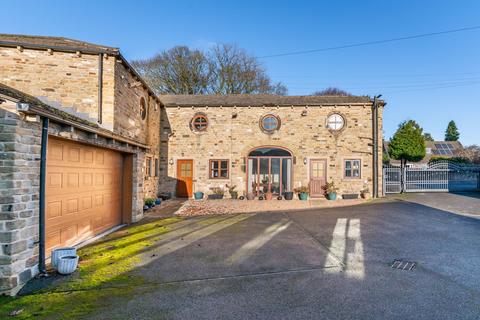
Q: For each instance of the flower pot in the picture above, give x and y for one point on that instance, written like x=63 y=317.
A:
x=332 y=196
x=145 y=208
x=365 y=195
x=268 y=196
x=67 y=264
x=234 y=195
x=288 y=195
x=61 y=252
x=250 y=196
x=158 y=201
x=303 y=196
x=215 y=196
x=198 y=195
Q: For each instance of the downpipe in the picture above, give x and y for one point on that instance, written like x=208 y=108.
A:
x=43 y=168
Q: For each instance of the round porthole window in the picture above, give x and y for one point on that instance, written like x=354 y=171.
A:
x=199 y=122
x=269 y=123
x=335 y=122
x=143 y=108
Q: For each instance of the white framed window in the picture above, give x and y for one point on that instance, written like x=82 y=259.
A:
x=335 y=122
x=352 y=169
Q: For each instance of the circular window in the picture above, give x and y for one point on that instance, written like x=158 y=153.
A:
x=270 y=123
x=335 y=122
x=199 y=122
x=143 y=108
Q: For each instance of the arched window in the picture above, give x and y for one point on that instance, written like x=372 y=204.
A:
x=143 y=108
x=269 y=152
x=199 y=122
x=269 y=123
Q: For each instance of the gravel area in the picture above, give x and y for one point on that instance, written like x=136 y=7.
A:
x=229 y=206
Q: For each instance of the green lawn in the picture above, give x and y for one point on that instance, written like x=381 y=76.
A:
x=103 y=274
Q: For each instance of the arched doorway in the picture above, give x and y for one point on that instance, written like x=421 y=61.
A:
x=269 y=169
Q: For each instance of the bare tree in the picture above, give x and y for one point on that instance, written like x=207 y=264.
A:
x=470 y=153
x=234 y=71
x=331 y=91
x=224 y=69
x=179 y=70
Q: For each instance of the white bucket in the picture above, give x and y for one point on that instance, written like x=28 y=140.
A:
x=67 y=264
x=61 y=252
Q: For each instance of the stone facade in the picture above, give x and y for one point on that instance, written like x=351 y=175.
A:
x=67 y=81
x=234 y=131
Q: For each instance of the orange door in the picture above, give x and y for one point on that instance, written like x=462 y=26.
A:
x=184 y=178
x=83 y=192
x=318 y=174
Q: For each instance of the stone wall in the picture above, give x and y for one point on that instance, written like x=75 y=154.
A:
x=66 y=81
x=233 y=132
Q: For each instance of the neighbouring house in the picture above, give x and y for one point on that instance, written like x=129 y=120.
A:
x=103 y=147
x=84 y=140
x=433 y=150
x=268 y=144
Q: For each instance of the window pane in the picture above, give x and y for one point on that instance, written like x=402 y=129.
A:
x=224 y=164
x=224 y=173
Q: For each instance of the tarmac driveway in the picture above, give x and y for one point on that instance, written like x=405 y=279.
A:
x=316 y=264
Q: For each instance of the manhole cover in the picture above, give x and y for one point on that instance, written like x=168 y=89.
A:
x=403 y=265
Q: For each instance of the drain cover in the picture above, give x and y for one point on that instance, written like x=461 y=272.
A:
x=403 y=265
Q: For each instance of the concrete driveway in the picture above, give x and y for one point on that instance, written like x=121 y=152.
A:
x=318 y=264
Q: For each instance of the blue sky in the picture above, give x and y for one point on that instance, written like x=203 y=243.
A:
x=432 y=80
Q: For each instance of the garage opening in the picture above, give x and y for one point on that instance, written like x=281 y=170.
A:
x=84 y=192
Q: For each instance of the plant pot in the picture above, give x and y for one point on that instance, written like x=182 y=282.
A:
x=198 y=195
x=158 y=201
x=365 y=195
x=288 y=195
x=349 y=196
x=67 y=264
x=145 y=208
x=303 y=196
x=215 y=196
x=332 y=196
x=61 y=252
x=250 y=196
x=268 y=196
x=234 y=195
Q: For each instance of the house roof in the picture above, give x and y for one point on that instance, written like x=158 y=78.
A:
x=256 y=100
x=446 y=149
x=35 y=106
x=58 y=43
x=67 y=45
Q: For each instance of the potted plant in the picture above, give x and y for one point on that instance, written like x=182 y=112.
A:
x=365 y=192
x=231 y=190
x=302 y=192
x=217 y=193
x=158 y=201
x=268 y=195
x=250 y=196
x=149 y=202
x=330 y=190
x=198 y=195
x=288 y=195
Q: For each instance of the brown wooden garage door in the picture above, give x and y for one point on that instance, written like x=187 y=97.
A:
x=83 y=192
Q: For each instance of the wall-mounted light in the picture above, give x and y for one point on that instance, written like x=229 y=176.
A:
x=305 y=160
x=170 y=161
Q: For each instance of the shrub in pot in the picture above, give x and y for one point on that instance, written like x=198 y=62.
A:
x=61 y=252
x=150 y=202
x=288 y=195
x=365 y=192
x=302 y=192
x=231 y=190
x=217 y=193
x=198 y=195
x=330 y=190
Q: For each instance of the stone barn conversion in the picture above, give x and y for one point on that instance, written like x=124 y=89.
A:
x=84 y=140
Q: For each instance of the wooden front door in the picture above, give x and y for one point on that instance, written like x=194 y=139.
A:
x=83 y=192
x=184 y=178
x=318 y=174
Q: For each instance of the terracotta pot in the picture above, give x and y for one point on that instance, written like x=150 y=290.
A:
x=268 y=196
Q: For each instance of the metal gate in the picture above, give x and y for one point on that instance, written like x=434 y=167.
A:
x=441 y=176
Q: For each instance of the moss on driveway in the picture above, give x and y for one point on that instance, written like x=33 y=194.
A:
x=103 y=274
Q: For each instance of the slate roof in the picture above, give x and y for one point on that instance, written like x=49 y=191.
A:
x=256 y=100
x=59 y=43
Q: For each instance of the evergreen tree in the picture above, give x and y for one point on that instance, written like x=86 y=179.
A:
x=427 y=137
x=452 y=134
x=407 y=144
